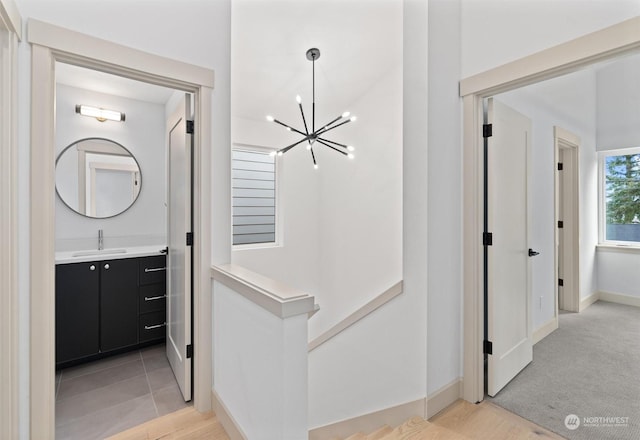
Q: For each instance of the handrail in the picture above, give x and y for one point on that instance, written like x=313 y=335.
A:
x=274 y=296
x=356 y=316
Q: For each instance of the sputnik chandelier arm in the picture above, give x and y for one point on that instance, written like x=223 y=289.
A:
x=313 y=137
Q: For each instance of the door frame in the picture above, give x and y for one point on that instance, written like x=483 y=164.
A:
x=49 y=44
x=11 y=28
x=565 y=58
x=569 y=143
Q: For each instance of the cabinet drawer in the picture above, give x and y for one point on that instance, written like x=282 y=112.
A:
x=153 y=270
x=152 y=326
x=153 y=298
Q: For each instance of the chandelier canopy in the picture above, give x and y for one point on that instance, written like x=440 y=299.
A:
x=315 y=136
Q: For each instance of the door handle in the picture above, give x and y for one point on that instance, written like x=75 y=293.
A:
x=533 y=253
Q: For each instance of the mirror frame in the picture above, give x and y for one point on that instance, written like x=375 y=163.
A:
x=98 y=139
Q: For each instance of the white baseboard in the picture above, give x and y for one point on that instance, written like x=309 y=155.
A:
x=444 y=397
x=545 y=330
x=226 y=419
x=586 y=302
x=620 y=298
x=393 y=416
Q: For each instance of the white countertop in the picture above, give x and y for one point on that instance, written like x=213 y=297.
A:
x=82 y=256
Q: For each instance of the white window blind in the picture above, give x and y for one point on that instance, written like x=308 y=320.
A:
x=253 y=197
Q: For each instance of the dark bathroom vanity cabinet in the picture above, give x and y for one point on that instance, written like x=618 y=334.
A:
x=108 y=306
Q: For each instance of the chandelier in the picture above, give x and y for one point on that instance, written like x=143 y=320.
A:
x=315 y=136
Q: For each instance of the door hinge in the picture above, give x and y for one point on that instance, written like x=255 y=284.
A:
x=560 y=166
x=189 y=351
x=560 y=282
x=487 y=347
x=189 y=238
x=560 y=224
x=190 y=127
x=487 y=130
x=487 y=239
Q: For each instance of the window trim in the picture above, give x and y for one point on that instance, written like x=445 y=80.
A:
x=279 y=202
x=602 y=206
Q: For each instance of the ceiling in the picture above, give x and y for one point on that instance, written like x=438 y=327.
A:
x=360 y=42
x=106 y=83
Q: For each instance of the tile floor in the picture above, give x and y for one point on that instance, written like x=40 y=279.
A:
x=101 y=398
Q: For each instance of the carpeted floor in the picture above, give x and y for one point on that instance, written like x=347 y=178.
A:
x=589 y=367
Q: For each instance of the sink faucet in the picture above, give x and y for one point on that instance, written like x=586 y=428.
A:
x=100 y=240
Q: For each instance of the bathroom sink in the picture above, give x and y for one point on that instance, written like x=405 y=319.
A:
x=100 y=252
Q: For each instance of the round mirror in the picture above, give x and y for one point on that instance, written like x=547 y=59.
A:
x=97 y=177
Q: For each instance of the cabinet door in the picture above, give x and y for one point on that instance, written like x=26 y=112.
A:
x=77 y=311
x=118 y=304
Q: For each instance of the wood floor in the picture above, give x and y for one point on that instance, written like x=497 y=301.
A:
x=186 y=424
x=460 y=421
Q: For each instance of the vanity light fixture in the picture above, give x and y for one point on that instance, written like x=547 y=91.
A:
x=100 y=114
x=314 y=135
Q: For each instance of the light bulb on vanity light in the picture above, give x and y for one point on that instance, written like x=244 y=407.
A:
x=100 y=114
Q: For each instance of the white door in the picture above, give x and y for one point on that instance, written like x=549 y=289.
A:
x=508 y=263
x=179 y=255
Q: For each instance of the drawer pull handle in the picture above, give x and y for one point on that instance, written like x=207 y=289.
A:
x=154 y=269
x=92 y=267
x=151 y=327
x=153 y=298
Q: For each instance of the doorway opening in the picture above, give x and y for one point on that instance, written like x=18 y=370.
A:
x=51 y=44
x=123 y=268
x=614 y=41
x=567 y=217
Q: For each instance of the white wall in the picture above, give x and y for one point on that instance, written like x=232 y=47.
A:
x=568 y=102
x=618 y=102
x=444 y=197
x=618 y=271
x=342 y=224
x=618 y=97
x=260 y=367
x=296 y=259
x=495 y=32
x=143 y=134
x=196 y=32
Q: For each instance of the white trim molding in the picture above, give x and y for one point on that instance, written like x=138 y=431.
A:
x=605 y=44
x=392 y=416
x=10 y=33
x=545 y=330
x=444 y=397
x=587 y=301
x=356 y=316
x=10 y=17
x=227 y=421
x=274 y=296
x=51 y=44
x=619 y=298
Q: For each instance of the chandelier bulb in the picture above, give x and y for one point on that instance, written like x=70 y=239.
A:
x=315 y=166
x=270 y=118
x=353 y=118
x=298 y=99
x=346 y=114
x=308 y=146
x=280 y=153
x=350 y=156
x=273 y=153
x=351 y=148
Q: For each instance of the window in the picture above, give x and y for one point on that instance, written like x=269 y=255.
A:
x=253 y=197
x=620 y=196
